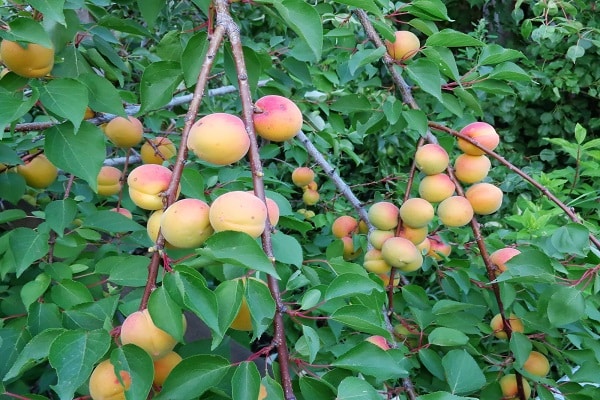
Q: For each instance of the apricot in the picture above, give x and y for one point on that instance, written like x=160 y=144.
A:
x=471 y=169
x=501 y=256
x=273 y=211
x=483 y=133
x=185 y=224
x=310 y=197
x=124 y=132
x=312 y=186
x=377 y=237
x=384 y=215
x=89 y=113
x=146 y=183
x=416 y=212
x=378 y=341
x=404 y=47
x=537 y=364
x=276 y=118
x=432 y=159
x=38 y=172
x=139 y=329
x=105 y=385
x=109 y=181
x=508 y=385
x=123 y=211
x=219 y=138
x=436 y=188
x=163 y=367
x=153 y=225
x=238 y=211
x=438 y=248
x=157 y=150
x=386 y=279
x=375 y=263
x=425 y=246
x=29 y=60
x=455 y=211
x=302 y=176
x=497 y=325
x=344 y=226
x=350 y=252
x=415 y=235
x=485 y=198
x=243 y=319
x=402 y=254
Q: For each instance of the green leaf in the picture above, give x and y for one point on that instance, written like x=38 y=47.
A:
x=12 y=187
x=166 y=314
x=42 y=316
x=309 y=343
x=139 y=365
x=470 y=100
x=510 y=72
x=127 y=25
x=462 y=372
x=305 y=21
x=350 y=103
x=32 y=290
x=103 y=96
x=73 y=355
x=442 y=336
x=68 y=293
x=446 y=306
x=433 y=362
x=571 y=238
x=193 y=376
x=316 y=389
x=369 y=359
x=433 y=10
x=159 y=81
x=416 y=296
x=90 y=316
x=12 y=215
x=367 y=5
x=444 y=58
x=443 y=396
x=193 y=56
x=229 y=296
x=580 y=133
x=451 y=38
x=416 y=120
x=362 y=318
x=150 y=10
x=531 y=266
x=8 y=156
x=80 y=154
x=261 y=304
x=245 y=382
x=67 y=98
x=112 y=222
x=352 y=388
x=239 y=249
x=287 y=249
x=125 y=270
x=27 y=246
x=364 y=57
x=192 y=183
x=34 y=353
x=574 y=52
x=520 y=346
x=59 y=214
x=12 y=343
x=350 y=284
x=495 y=54
x=566 y=305
x=52 y=10
x=14 y=105
x=24 y=29
x=427 y=76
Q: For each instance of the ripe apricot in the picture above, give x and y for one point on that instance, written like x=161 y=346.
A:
x=273 y=211
x=483 y=133
x=436 y=188
x=139 y=329
x=501 y=256
x=104 y=383
x=425 y=246
x=30 y=60
x=89 y=113
x=312 y=186
x=415 y=235
x=219 y=138
x=302 y=176
x=416 y=212
x=386 y=279
x=243 y=319
x=277 y=118
x=497 y=325
x=109 y=181
x=402 y=254
x=185 y=224
x=537 y=364
x=484 y=197
x=377 y=237
x=238 y=211
x=455 y=211
x=310 y=197
x=344 y=226
x=123 y=211
x=432 y=159
x=350 y=252
x=508 y=385
x=375 y=263
x=38 y=172
x=157 y=150
x=384 y=215
x=163 y=367
x=438 y=248
x=146 y=184
x=471 y=169
x=124 y=132
x=404 y=47
x=378 y=341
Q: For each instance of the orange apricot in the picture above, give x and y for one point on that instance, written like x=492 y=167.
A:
x=124 y=132
x=277 y=118
x=219 y=138
x=483 y=133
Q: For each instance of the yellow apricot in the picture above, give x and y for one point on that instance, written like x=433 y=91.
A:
x=416 y=212
x=537 y=364
x=277 y=118
x=30 y=60
x=404 y=47
x=124 y=132
x=501 y=256
x=483 y=133
x=415 y=235
x=384 y=215
x=163 y=367
x=516 y=325
x=312 y=186
x=109 y=181
x=219 y=138
x=375 y=263
x=38 y=172
x=402 y=254
x=471 y=169
x=377 y=237
x=157 y=150
x=243 y=319
x=436 y=188
x=310 y=197
x=431 y=159
x=344 y=225
x=485 y=198
x=455 y=211
x=185 y=224
x=139 y=329
x=105 y=385
x=238 y=211
x=508 y=385
x=350 y=252
x=146 y=184
x=302 y=176
x=425 y=246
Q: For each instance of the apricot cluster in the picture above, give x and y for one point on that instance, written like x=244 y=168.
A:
x=344 y=228
x=304 y=177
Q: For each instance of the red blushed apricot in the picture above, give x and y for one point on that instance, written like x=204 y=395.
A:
x=219 y=138
x=375 y=263
x=109 y=181
x=415 y=235
x=123 y=211
x=384 y=215
x=378 y=341
x=508 y=385
x=272 y=208
x=416 y=212
x=471 y=169
x=516 y=325
x=277 y=118
x=432 y=159
x=483 y=133
x=105 y=385
x=146 y=183
x=425 y=246
x=124 y=132
x=455 y=211
x=238 y=211
x=163 y=367
x=30 y=60
x=139 y=329
x=402 y=254
x=377 y=237
x=302 y=176
x=436 y=188
x=501 y=256
x=404 y=47
x=438 y=248
x=537 y=364
x=485 y=198
x=344 y=226
x=157 y=150
x=39 y=172
x=185 y=224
